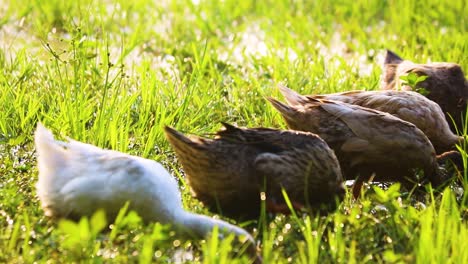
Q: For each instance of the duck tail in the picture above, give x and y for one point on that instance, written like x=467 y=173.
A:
x=51 y=161
x=288 y=112
x=175 y=137
x=292 y=97
x=183 y=145
x=49 y=151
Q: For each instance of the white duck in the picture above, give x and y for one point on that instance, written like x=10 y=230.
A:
x=76 y=179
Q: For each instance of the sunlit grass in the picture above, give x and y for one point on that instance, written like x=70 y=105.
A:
x=113 y=73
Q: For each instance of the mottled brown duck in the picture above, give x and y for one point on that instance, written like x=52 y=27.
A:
x=406 y=105
x=367 y=142
x=229 y=173
x=445 y=84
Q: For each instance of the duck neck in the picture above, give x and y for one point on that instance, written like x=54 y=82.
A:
x=200 y=226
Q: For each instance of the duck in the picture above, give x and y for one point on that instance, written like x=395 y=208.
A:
x=409 y=106
x=76 y=179
x=240 y=167
x=445 y=84
x=368 y=143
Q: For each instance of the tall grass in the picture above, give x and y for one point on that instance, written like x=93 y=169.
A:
x=113 y=73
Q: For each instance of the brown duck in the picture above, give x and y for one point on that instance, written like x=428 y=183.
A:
x=406 y=105
x=228 y=173
x=446 y=84
x=367 y=142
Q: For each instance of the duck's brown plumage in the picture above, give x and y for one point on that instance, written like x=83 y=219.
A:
x=406 y=105
x=228 y=172
x=366 y=141
x=446 y=84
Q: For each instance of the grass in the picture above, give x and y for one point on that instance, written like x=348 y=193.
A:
x=113 y=73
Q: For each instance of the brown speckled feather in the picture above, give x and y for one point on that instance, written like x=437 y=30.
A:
x=446 y=84
x=406 y=105
x=365 y=141
x=228 y=172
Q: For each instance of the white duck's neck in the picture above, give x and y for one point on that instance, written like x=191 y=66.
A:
x=199 y=226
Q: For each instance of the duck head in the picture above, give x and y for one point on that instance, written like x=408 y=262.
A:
x=445 y=84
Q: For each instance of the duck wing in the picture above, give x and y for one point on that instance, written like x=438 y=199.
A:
x=386 y=135
x=300 y=162
x=310 y=174
x=365 y=122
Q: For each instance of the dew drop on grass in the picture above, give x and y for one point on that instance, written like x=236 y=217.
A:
x=158 y=254
x=176 y=243
x=137 y=237
x=388 y=239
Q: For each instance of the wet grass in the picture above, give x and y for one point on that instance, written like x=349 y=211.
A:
x=113 y=73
